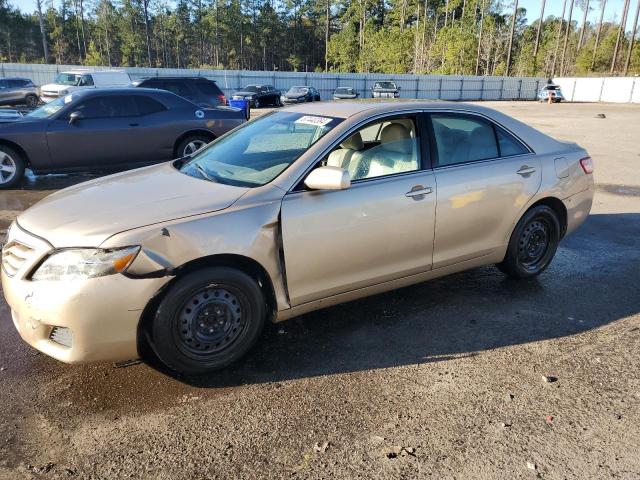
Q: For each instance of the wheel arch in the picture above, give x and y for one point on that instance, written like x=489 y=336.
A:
x=558 y=207
x=18 y=148
x=240 y=262
x=189 y=133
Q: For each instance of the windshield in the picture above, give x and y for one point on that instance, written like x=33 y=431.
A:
x=48 y=109
x=298 y=90
x=385 y=85
x=259 y=151
x=67 y=79
x=344 y=90
x=251 y=88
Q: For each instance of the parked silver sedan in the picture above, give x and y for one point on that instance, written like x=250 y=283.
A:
x=297 y=210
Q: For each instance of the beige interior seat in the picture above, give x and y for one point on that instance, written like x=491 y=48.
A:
x=342 y=156
x=395 y=154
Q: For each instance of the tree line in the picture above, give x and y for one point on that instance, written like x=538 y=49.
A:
x=466 y=37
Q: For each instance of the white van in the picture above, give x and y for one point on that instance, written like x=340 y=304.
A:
x=66 y=82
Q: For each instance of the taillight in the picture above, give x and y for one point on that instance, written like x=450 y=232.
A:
x=587 y=165
x=223 y=99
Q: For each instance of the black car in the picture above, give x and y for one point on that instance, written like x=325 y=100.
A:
x=259 y=95
x=18 y=91
x=199 y=90
x=108 y=129
x=301 y=95
x=345 y=93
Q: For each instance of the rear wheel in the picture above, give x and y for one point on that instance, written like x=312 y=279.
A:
x=191 y=144
x=31 y=101
x=533 y=243
x=208 y=320
x=12 y=166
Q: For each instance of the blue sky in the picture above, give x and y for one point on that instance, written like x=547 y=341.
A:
x=553 y=7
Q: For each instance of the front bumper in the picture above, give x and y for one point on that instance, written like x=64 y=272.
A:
x=101 y=313
x=294 y=100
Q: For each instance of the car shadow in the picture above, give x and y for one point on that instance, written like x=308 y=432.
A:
x=592 y=281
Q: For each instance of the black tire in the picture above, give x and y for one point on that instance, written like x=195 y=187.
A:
x=184 y=145
x=208 y=320
x=31 y=101
x=533 y=243
x=11 y=159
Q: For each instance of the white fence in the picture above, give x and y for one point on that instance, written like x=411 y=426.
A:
x=602 y=89
x=444 y=87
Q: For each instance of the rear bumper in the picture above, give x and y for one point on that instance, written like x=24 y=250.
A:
x=578 y=207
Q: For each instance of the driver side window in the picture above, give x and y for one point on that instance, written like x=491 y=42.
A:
x=379 y=149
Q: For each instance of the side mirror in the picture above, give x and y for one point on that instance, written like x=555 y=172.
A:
x=328 y=178
x=75 y=117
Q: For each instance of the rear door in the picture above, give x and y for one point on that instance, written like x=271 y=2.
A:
x=107 y=134
x=485 y=177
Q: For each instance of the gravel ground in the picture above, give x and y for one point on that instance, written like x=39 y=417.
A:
x=468 y=376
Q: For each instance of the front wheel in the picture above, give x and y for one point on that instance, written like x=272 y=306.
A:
x=31 y=101
x=208 y=320
x=12 y=167
x=256 y=103
x=533 y=243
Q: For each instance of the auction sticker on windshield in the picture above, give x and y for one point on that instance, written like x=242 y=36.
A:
x=313 y=120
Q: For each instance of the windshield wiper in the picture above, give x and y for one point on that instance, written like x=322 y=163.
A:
x=204 y=173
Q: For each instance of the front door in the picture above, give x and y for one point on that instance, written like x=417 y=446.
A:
x=379 y=229
x=108 y=134
x=485 y=177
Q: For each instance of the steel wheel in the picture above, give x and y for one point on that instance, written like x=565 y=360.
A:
x=210 y=321
x=8 y=168
x=193 y=146
x=31 y=101
x=533 y=244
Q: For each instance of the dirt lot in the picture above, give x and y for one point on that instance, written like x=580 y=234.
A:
x=438 y=380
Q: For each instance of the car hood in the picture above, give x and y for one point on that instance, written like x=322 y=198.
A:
x=89 y=213
x=7 y=116
x=56 y=87
x=245 y=94
x=294 y=95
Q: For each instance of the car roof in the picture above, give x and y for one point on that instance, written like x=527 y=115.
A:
x=346 y=109
x=176 y=77
x=15 y=78
x=88 y=92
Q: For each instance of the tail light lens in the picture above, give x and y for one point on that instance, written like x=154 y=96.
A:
x=223 y=99
x=587 y=165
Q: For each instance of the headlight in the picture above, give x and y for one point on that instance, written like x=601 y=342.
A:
x=81 y=263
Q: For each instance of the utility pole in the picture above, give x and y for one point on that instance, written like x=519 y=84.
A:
x=623 y=24
x=513 y=29
x=634 y=29
x=603 y=3
x=43 y=32
x=540 y=22
x=326 y=38
x=480 y=37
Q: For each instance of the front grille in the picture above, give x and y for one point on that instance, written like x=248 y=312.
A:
x=62 y=335
x=14 y=254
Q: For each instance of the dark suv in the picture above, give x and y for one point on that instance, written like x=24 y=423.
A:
x=199 y=90
x=18 y=91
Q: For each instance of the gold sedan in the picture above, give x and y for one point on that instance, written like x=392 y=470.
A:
x=297 y=210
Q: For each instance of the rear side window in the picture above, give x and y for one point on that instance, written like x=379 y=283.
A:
x=207 y=88
x=147 y=105
x=86 y=81
x=17 y=83
x=108 y=107
x=462 y=139
x=509 y=145
x=176 y=86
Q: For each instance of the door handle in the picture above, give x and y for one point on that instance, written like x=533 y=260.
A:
x=525 y=170
x=418 y=191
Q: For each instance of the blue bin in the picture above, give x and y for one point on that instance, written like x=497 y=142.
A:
x=242 y=105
